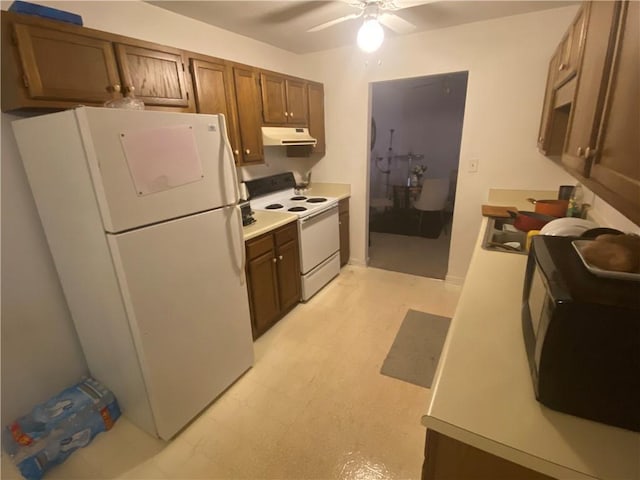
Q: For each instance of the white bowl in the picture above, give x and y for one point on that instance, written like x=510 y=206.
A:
x=567 y=227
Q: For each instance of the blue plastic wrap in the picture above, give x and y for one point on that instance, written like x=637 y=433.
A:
x=45 y=12
x=55 y=429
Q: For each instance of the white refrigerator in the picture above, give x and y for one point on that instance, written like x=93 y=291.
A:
x=140 y=210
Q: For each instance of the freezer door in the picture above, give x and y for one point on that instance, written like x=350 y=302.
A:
x=150 y=166
x=183 y=288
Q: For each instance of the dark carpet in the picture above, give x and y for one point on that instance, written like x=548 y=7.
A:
x=405 y=222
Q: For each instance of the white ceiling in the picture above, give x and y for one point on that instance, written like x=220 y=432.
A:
x=284 y=24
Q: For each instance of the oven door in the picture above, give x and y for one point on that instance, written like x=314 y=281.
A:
x=319 y=238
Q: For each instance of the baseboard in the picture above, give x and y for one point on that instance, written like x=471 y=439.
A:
x=453 y=280
x=357 y=263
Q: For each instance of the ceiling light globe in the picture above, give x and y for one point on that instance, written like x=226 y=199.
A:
x=370 y=36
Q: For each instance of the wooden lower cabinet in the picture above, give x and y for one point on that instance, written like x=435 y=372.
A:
x=273 y=276
x=343 y=219
x=448 y=459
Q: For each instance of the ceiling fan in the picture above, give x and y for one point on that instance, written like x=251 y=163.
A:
x=375 y=13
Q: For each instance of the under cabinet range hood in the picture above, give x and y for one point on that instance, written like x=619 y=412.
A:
x=287 y=136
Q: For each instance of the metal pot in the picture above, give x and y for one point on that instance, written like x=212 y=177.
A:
x=525 y=221
x=555 y=208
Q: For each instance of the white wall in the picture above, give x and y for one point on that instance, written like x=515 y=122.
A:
x=40 y=350
x=507 y=61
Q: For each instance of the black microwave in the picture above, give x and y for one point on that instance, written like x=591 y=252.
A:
x=582 y=336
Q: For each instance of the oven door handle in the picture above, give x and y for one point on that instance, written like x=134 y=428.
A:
x=316 y=216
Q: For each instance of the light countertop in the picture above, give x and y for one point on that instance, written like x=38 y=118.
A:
x=483 y=393
x=267 y=221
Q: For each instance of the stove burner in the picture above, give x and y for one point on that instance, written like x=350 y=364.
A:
x=317 y=200
x=297 y=209
x=298 y=198
x=274 y=206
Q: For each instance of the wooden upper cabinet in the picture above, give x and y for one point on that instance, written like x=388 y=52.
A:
x=156 y=75
x=544 y=134
x=615 y=173
x=247 y=103
x=214 y=93
x=56 y=66
x=284 y=100
x=570 y=49
x=274 y=102
x=588 y=102
x=296 y=102
x=595 y=115
x=316 y=115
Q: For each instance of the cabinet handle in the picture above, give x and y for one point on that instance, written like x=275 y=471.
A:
x=286 y=114
x=280 y=257
x=247 y=151
x=274 y=259
x=589 y=152
x=114 y=88
x=130 y=89
x=579 y=152
x=291 y=114
x=562 y=66
x=236 y=151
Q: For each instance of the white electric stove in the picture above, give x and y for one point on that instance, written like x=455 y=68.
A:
x=317 y=227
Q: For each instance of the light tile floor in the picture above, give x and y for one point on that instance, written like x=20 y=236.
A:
x=313 y=406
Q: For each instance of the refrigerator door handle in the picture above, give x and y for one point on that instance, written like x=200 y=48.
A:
x=227 y=145
x=243 y=258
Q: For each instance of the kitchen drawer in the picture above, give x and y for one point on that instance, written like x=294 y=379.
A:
x=259 y=246
x=287 y=233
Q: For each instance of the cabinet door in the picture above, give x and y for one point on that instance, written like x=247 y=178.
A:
x=343 y=219
x=544 y=135
x=248 y=107
x=587 y=106
x=263 y=291
x=616 y=168
x=214 y=94
x=65 y=66
x=571 y=47
x=274 y=95
x=288 y=255
x=296 y=102
x=288 y=274
x=156 y=77
x=316 y=115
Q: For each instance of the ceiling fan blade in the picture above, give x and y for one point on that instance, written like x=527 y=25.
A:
x=395 y=23
x=401 y=4
x=336 y=21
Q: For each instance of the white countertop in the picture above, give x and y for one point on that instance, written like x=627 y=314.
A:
x=267 y=221
x=483 y=393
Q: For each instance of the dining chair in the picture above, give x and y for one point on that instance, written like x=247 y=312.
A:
x=433 y=198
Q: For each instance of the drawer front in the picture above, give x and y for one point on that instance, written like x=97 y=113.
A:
x=259 y=246
x=287 y=233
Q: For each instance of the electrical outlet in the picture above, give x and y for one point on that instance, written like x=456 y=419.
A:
x=473 y=165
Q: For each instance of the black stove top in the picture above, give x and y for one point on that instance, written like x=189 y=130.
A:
x=297 y=209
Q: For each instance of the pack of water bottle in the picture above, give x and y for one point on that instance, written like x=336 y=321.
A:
x=55 y=429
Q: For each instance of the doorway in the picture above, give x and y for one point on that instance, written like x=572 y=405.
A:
x=416 y=129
